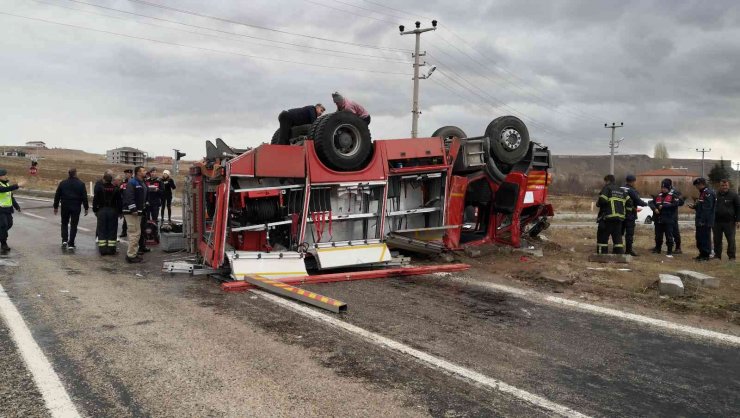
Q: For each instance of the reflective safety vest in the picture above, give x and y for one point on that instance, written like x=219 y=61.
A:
x=664 y=198
x=6 y=198
x=614 y=202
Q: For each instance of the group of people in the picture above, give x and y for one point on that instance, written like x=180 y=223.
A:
x=308 y=115
x=139 y=197
x=715 y=213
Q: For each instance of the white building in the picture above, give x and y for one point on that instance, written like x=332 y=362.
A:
x=126 y=155
x=36 y=144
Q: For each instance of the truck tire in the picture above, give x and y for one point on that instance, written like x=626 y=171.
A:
x=312 y=131
x=342 y=141
x=300 y=130
x=493 y=168
x=276 y=138
x=448 y=132
x=509 y=139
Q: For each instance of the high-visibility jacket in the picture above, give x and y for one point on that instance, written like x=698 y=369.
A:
x=6 y=198
x=612 y=203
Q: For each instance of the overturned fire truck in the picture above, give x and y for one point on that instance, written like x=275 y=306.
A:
x=335 y=199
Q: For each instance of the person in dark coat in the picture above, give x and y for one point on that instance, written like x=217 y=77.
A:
x=296 y=117
x=8 y=205
x=726 y=219
x=107 y=208
x=72 y=195
x=612 y=206
x=628 y=226
x=133 y=207
x=676 y=230
x=127 y=173
x=704 y=206
x=168 y=186
x=664 y=206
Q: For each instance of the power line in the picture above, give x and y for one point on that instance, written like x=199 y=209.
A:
x=369 y=10
x=232 y=33
x=202 y=48
x=351 y=13
x=234 y=22
x=542 y=102
x=361 y=56
x=499 y=67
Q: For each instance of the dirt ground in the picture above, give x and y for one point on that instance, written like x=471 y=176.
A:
x=565 y=269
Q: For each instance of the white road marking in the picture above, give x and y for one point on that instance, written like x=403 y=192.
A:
x=32 y=215
x=672 y=326
x=82 y=228
x=425 y=358
x=55 y=396
x=40 y=199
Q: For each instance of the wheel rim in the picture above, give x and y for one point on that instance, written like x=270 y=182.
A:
x=510 y=139
x=347 y=140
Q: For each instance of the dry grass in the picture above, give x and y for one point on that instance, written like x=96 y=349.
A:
x=54 y=164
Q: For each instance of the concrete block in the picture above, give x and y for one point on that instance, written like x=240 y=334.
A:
x=473 y=252
x=670 y=285
x=534 y=252
x=698 y=279
x=610 y=258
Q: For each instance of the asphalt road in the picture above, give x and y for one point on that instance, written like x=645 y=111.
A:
x=128 y=341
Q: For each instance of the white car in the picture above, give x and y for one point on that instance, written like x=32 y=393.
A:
x=644 y=213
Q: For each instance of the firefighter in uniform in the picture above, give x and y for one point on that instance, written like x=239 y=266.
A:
x=107 y=208
x=628 y=227
x=664 y=206
x=612 y=205
x=7 y=206
x=704 y=207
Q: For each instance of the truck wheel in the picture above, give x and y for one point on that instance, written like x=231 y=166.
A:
x=276 y=138
x=509 y=139
x=494 y=169
x=342 y=141
x=300 y=130
x=448 y=132
x=312 y=131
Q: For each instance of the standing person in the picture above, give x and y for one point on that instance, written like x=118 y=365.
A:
x=676 y=230
x=134 y=204
x=727 y=219
x=612 y=206
x=628 y=226
x=347 y=105
x=297 y=117
x=154 y=194
x=168 y=185
x=664 y=206
x=128 y=173
x=704 y=207
x=72 y=195
x=107 y=208
x=8 y=205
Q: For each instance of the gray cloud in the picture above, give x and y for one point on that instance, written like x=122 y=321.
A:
x=667 y=69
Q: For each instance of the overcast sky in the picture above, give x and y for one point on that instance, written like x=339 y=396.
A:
x=668 y=69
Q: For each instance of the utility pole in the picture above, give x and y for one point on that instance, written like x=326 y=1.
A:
x=613 y=144
x=703 y=151
x=417 y=54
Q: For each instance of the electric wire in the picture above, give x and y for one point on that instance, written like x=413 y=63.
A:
x=351 y=13
x=227 y=32
x=250 y=25
x=499 y=67
x=202 y=48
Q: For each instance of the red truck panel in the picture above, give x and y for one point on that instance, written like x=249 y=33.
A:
x=280 y=161
x=404 y=149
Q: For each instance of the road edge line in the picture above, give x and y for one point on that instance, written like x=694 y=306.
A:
x=627 y=316
x=55 y=396
x=427 y=359
x=32 y=215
